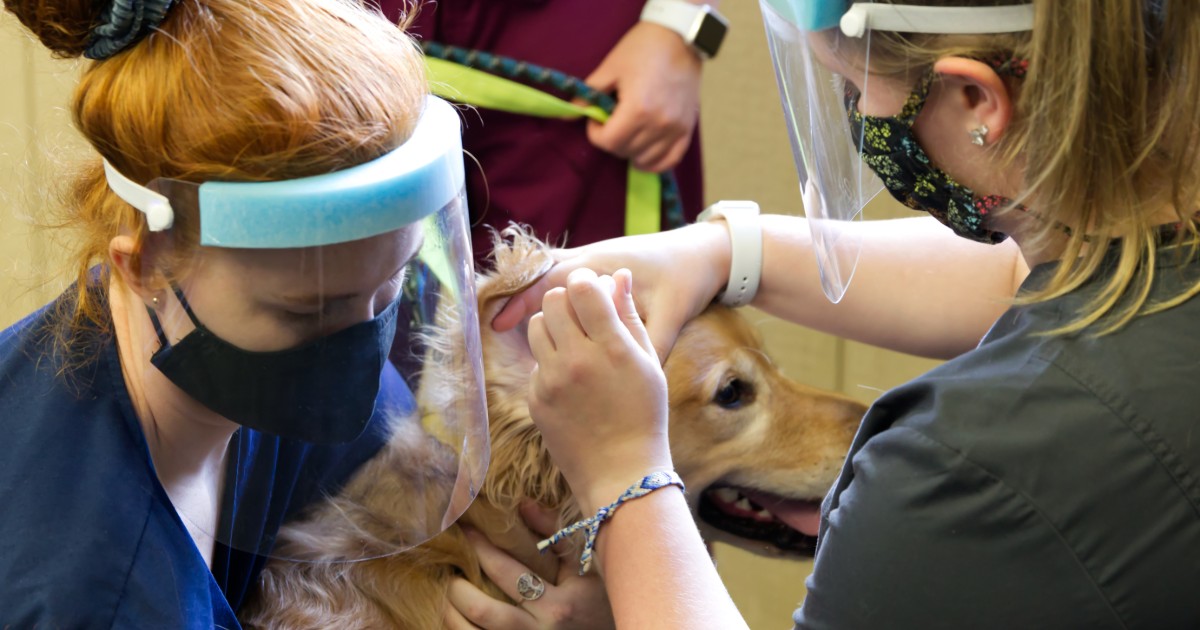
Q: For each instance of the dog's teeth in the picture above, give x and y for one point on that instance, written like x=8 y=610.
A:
x=765 y=515
x=728 y=495
x=744 y=504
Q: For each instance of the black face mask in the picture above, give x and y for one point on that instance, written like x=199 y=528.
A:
x=322 y=392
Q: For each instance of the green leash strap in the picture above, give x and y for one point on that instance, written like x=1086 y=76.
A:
x=459 y=83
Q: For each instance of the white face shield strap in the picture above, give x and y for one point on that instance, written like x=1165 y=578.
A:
x=815 y=69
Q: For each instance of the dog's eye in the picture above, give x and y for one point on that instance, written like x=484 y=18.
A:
x=734 y=394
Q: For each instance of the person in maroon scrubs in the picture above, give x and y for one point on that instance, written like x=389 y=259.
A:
x=567 y=178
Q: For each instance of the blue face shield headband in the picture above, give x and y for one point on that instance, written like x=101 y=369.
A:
x=411 y=182
x=821 y=50
x=373 y=384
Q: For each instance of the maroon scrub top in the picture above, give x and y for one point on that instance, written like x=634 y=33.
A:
x=540 y=172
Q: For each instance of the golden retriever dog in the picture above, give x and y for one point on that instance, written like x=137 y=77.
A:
x=757 y=451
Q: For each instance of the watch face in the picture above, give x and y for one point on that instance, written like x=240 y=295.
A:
x=710 y=34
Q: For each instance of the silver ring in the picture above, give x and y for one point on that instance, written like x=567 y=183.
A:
x=530 y=586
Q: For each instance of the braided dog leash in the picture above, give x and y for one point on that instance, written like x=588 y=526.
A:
x=573 y=87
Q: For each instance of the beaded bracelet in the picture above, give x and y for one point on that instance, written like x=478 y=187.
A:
x=648 y=484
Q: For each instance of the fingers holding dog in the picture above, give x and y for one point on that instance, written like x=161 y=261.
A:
x=544 y=522
x=627 y=310
x=677 y=271
x=576 y=602
x=472 y=609
x=529 y=301
x=505 y=570
x=591 y=298
x=561 y=321
x=452 y=618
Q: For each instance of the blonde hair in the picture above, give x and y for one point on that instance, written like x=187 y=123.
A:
x=222 y=90
x=1107 y=129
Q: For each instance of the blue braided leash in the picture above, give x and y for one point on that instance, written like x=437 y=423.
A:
x=573 y=87
x=648 y=484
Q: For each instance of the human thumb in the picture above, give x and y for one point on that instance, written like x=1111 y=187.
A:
x=627 y=310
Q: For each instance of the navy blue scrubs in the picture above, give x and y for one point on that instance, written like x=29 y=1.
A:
x=88 y=536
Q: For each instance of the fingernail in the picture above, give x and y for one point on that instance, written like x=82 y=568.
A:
x=628 y=282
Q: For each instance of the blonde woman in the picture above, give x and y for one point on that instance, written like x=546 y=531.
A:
x=1046 y=475
x=267 y=175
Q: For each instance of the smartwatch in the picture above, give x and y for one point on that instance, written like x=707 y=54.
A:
x=698 y=24
x=745 y=247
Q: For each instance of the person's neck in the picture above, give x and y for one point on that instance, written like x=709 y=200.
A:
x=1024 y=229
x=187 y=441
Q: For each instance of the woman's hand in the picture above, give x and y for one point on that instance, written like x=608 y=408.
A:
x=678 y=272
x=656 y=77
x=598 y=393
x=573 y=601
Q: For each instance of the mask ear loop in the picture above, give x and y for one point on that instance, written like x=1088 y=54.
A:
x=916 y=100
x=187 y=308
x=158 y=330
x=1004 y=64
x=912 y=105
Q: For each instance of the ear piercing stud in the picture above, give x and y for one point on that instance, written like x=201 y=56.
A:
x=979 y=135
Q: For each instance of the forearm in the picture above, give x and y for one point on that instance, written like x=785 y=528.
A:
x=918 y=288
x=657 y=570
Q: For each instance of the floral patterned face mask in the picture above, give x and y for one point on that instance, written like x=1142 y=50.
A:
x=891 y=149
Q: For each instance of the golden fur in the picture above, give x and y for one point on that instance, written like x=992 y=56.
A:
x=788 y=439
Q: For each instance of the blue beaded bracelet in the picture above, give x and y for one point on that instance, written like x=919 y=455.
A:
x=648 y=484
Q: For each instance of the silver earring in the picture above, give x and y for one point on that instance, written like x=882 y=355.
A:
x=979 y=135
x=155 y=300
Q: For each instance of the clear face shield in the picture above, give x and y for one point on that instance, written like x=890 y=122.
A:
x=821 y=50
x=330 y=323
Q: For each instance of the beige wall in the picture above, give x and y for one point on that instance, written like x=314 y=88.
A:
x=35 y=136
x=747 y=156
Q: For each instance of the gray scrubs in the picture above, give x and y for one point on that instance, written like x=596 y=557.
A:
x=1035 y=482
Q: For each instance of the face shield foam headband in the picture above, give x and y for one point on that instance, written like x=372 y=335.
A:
x=813 y=76
x=414 y=180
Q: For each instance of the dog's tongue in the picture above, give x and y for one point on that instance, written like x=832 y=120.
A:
x=802 y=516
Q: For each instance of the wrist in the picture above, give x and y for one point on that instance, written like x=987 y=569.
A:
x=745 y=242
x=651 y=507
x=699 y=24
x=679 y=47
x=603 y=491
x=715 y=248
x=644 y=486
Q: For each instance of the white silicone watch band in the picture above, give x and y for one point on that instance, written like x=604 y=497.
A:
x=680 y=16
x=745 y=245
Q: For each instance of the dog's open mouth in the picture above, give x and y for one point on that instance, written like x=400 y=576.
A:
x=790 y=525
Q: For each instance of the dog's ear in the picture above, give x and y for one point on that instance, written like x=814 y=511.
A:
x=518 y=260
